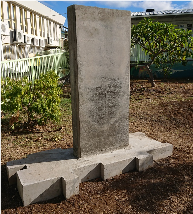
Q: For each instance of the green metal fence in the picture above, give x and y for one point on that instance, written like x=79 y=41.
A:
x=139 y=55
x=33 y=67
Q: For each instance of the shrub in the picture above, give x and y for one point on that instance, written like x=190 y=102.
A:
x=40 y=102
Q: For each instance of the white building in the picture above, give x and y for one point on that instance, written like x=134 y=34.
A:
x=28 y=27
x=180 y=18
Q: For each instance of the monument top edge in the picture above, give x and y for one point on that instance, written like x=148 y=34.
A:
x=128 y=13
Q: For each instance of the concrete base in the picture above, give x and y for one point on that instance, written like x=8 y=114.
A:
x=45 y=175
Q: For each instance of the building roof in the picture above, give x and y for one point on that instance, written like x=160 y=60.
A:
x=162 y=13
x=41 y=9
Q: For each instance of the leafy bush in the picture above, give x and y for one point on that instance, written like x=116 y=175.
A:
x=40 y=102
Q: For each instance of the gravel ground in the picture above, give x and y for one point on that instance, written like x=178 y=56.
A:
x=164 y=113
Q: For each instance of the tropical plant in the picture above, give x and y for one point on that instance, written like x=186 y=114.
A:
x=164 y=43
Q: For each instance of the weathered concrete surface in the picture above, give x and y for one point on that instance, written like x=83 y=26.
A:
x=99 y=44
x=47 y=174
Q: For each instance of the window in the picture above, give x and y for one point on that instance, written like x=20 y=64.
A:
x=54 y=27
x=14 y=16
x=50 y=28
x=189 y=26
x=25 y=22
x=43 y=27
x=181 y=26
x=31 y=22
x=2 y=14
x=9 y=15
x=47 y=28
x=40 y=25
x=35 y=25
x=21 y=18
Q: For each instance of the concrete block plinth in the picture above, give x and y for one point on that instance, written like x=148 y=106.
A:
x=45 y=175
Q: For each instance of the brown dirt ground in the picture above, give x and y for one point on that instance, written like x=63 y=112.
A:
x=164 y=113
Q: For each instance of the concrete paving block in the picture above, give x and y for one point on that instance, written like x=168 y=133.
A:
x=163 y=151
x=70 y=185
x=113 y=168
x=12 y=170
x=39 y=157
x=51 y=155
x=143 y=144
x=37 y=192
x=143 y=162
x=88 y=170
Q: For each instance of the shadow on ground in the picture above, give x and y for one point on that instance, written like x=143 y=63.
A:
x=143 y=191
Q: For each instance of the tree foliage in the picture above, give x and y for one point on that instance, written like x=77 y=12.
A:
x=164 y=43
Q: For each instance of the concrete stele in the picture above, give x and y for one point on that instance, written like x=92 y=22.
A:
x=99 y=44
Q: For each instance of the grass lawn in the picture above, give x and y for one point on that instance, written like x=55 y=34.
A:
x=164 y=113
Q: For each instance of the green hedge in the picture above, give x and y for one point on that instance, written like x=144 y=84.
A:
x=39 y=102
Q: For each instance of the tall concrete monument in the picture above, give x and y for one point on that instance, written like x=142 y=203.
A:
x=99 y=44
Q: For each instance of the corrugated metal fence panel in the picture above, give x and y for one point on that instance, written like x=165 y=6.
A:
x=138 y=55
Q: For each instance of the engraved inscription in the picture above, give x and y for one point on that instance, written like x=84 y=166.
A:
x=105 y=101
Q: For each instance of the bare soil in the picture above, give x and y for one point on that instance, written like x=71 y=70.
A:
x=164 y=113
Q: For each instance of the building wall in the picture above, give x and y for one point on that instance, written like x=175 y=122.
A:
x=35 y=22
x=180 y=20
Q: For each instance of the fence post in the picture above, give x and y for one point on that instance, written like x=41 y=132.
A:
x=33 y=72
